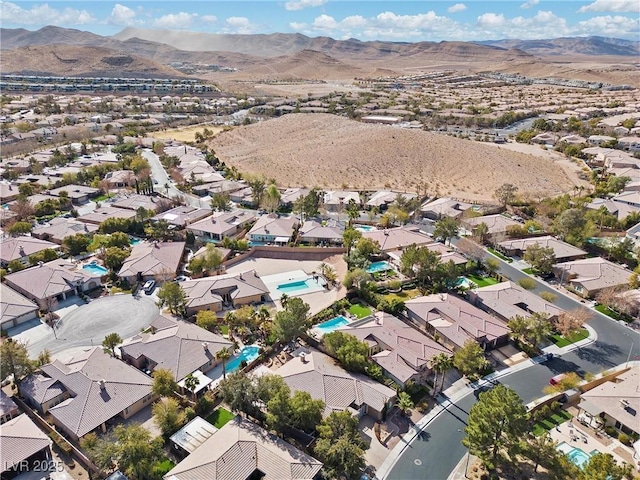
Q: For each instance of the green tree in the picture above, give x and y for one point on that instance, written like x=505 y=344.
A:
x=356 y=279
x=404 y=402
x=350 y=237
x=14 y=359
x=44 y=357
x=481 y=232
x=446 y=229
x=353 y=210
x=426 y=268
x=470 y=359
x=15 y=266
x=220 y=202
x=239 y=392
x=76 y=244
x=340 y=446
x=257 y=184
x=173 y=297
x=491 y=265
x=306 y=412
x=292 y=321
x=136 y=452
x=207 y=319
x=573 y=226
x=44 y=256
x=110 y=343
x=505 y=194
x=602 y=466
x=350 y=352
x=168 y=416
x=191 y=383
x=159 y=230
x=540 y=258
x=541 y=450
x=271 y=198
x=20 y=228
x=164 y=383
x=114 y=258
x=497 y=421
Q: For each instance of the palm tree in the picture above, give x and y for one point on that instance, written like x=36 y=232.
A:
x=223 y=355
x=481 y=231
x=441 y=363
x=230 y=319
x=191 y=383
x=283 y=300
x=404 y=402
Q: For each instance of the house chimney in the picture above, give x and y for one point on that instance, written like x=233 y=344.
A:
x=303 y=357
x=205 y=345
x=102 y=384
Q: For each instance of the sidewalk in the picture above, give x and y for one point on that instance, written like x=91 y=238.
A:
x=462 y=388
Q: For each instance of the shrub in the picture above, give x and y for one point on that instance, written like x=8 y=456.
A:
x=190 y=413
x=204 y=405
x=611 y=431
x=527 y=283
x=624 y=439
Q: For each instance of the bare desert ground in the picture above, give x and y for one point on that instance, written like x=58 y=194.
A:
x=334 y=152
x=185 y=134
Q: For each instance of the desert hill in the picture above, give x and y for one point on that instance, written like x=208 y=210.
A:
x=75 y=60
x=329 y=151
x=572 y=46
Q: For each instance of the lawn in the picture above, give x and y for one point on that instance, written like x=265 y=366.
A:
x=561 y=341
x=359 y=311
x=403 y=296
x=528 y=270
x=610 y=313
x=102 y=198
x=220 y=417
x=224 y=329
x=482 y=281
x=550 y=422
x=499 y=255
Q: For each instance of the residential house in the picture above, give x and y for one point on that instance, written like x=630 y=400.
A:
x=337 y=200
x=597 y=140
x=614 y=403
x=398 y=238
x=325 y=233
x=20 y=248
x=120 y=179
x=134 y=202
x=51 y=282
x=506 y=300
x=15 y=308
x=320 y=375
x=60 y=228
x=290 y=195
x=101 y=214
x=78 y=194
x=8 y=408
x=181 y=347
x=222 y=291
x=183 y=215
x=222 y=225
x=545 y=138
x=273 y=229
x=456 y=321
x=444 y=207
x=157 y=261
x=24 y=447
x=590 y=275
x=34 y=201
x=403 y=352
x=573 y=140
x=634 y=234
x=191 y=436
x=563 y=251
x=241 y=450
x=8 y=192
x=630 y=144
x=383 y=198
x=620 y=209
x=497 y=224
x=86 y=392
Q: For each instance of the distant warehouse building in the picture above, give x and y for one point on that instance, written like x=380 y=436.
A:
x=386 y=120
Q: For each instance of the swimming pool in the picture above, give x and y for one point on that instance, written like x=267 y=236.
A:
x=134 y=241
x=376 y=267
x=331 y=325
x=464 y=282
x=297 y=286
x=95 y=269
x=248 y=354
x=577 y=456
x=365 y=228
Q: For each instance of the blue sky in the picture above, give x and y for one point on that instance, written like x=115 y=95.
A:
x=411 y=20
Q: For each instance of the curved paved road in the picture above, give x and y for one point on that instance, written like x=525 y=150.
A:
x=438 y=449
x=89 y=324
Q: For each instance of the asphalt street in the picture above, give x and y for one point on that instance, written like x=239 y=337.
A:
x=434 y=453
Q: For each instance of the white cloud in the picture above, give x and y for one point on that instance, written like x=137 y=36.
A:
x=458 y=7
x=491 y=20
x=325 y=22
x=302 y=4
x=297 y=26
x=354 y=21
x=178 y=21
x=209 y=18
x=612 y=6
x=240 y=25
x=43 y=14
x=530 y=4
x=122 y=16
x=618 y=25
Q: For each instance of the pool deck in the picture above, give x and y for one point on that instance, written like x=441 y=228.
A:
x=273 y=281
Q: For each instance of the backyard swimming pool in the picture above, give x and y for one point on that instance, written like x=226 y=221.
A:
x=134 y=241
x=365 y=228
x=95 y=269
x=331 y=325
x=297 y=286
x=248 y=354
x=376 y=267
x=577 y=456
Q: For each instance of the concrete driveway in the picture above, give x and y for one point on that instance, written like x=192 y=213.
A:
x=89 y=324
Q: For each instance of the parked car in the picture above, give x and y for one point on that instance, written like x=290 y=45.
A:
x=149 y=286
x=181 y=278
x=557 y=379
